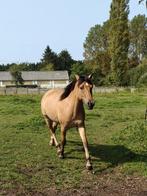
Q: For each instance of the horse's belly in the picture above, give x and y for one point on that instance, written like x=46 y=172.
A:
x=50 y=103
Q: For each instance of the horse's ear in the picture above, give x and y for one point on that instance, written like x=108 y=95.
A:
x=77 y=77
x=90 y=76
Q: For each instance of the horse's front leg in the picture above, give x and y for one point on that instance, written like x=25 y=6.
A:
x=83 y=136
x=63 y=142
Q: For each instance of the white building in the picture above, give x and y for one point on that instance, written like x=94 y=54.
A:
x=43 y=79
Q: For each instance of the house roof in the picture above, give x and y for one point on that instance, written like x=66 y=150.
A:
x=36 y=75
x=5 y=76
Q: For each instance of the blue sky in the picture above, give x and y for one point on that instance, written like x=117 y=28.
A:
x=28 y=26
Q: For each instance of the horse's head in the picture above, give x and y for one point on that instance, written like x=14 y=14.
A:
x=85 y=86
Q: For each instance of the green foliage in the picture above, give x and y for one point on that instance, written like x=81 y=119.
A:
x=78 y=68
x=52 y=61
x=21 y=66
x=137 y=75
x=96 y=41
x=16 y=74
x=138 y=37
x=96 y=53
x=49 y=57
x=124 y=41
x=100 y=66
x=65 y=60
x=119 y=40
x=47 y=67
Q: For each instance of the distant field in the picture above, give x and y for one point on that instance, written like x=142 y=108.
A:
x=117 y=134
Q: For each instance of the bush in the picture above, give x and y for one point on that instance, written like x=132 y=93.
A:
x=138 y=75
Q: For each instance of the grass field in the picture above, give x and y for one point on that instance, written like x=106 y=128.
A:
x=117 y=135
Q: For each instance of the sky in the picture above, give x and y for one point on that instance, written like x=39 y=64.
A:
x=28 y=26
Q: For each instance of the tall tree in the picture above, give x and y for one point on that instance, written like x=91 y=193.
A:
x=138 y=37
x=119 y=41
x=96 y=53
x=49 y=57
x=96 y=41
x=65 y=60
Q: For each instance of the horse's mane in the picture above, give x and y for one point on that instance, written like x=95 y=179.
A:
x=69 y=88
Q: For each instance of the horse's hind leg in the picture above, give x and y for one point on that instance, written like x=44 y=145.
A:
x=52 y=127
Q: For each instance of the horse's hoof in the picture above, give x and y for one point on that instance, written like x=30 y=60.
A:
x=89 y=167
x=51 y=144
x=61 y=156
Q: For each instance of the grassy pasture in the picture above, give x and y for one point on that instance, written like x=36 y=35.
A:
x=117 y=135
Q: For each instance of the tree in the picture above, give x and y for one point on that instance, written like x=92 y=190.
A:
x=119 y=41
x=138 y=74
x=16 y=74
x=140 y=1
x=49 y=57
x=138 y=37
x=65 y=60
x=96 y=41
x=97 y=58
x=99 y=66
x=78 y=68
x=3 y=67
x=47 y=67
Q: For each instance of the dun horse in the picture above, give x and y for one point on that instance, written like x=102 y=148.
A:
x=65 y=107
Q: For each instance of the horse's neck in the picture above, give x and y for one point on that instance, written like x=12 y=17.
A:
x=75 y=104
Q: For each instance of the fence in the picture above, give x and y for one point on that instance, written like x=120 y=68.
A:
x=113 y=89
x=27 y=91
x=22 y=91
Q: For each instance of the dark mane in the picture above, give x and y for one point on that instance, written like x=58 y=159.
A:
x=71 y=86
x=68 y=89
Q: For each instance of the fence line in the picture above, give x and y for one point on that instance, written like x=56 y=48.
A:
x=29 y=91
x=22 y=91
x=113 y=89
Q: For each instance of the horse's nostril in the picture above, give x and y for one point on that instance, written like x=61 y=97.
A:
x=90 y=104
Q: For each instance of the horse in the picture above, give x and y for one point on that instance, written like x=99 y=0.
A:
x=66 y=107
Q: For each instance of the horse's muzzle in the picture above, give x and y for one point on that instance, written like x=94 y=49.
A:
x=90 y=105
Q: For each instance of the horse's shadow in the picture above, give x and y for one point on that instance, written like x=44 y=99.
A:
x=114 y=155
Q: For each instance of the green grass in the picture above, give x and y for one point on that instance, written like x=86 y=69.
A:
x=117 y=135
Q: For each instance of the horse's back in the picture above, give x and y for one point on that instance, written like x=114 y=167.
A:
x=49 y=103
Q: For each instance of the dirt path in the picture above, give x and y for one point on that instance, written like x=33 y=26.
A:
x=106 y=185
